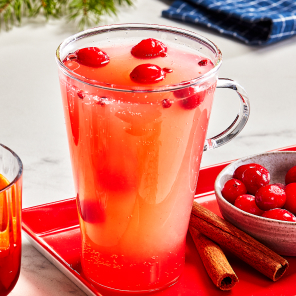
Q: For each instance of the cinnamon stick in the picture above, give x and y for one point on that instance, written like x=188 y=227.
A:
x=214 y=261
x=238 y=242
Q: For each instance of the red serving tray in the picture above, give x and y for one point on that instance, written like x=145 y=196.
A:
x=53 y=229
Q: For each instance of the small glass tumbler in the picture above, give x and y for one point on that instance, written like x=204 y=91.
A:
x=11 y=170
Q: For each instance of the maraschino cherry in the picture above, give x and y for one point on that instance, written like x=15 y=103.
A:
x=147 y=73
x=246 y=202
x=291 y=175
x=149 y=48
x=193 y=101
x=191 y=98
x=232 y=189
x=91 y=57
x=270 y=197
x=290 y=204
x=279 y=214
x=254 y=177
x=238 y=173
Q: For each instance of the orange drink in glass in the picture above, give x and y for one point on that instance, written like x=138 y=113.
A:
x=10 y=219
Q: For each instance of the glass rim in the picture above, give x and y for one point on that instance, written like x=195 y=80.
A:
x=139 y=26
x=20 y=171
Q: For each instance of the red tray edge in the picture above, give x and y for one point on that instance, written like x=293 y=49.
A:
x=55 y=259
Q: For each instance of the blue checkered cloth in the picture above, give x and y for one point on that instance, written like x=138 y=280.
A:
x=254 y=22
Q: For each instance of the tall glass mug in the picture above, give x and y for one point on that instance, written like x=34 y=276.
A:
x=11 y=170
x=136 y=137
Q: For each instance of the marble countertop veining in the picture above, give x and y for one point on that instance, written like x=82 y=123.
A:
x=32 y=123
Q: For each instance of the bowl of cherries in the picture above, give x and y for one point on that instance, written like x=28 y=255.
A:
x=258 y=195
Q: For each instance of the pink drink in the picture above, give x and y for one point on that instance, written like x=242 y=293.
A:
x=135 y=163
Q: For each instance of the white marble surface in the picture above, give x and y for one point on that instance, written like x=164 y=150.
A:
x=32 y=124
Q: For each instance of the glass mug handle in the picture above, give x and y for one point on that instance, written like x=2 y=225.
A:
x=240 y=120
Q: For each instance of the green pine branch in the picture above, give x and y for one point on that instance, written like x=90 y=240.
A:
x=85 y=13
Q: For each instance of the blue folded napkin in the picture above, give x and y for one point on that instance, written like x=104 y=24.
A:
x=254 y=22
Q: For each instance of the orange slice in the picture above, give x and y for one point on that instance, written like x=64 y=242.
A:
x=4 y=233
x=3 y=182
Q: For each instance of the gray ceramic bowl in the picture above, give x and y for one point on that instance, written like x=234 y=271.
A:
x=280 y=236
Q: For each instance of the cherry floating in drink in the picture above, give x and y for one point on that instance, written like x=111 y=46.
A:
x=147 y=73
x=149 y=48
x=91 y=57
